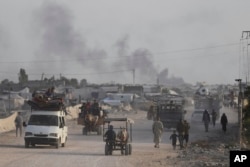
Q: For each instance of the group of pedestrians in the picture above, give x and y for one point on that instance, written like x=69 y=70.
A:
x=182 y=129
x=206 y=120
x=182 y=133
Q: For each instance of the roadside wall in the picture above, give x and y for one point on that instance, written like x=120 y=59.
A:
x=7 y=124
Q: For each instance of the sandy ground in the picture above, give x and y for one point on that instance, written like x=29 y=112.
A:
x=89 y=150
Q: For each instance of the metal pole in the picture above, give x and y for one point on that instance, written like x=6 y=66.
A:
x=240 y=112
x=133 y=76
x=241 y=106
x=9 y=99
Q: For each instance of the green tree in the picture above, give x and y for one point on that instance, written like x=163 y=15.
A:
x=5 y=81
x=83 y=83
x=74 y=82
x=66 y=80
x=22 y=76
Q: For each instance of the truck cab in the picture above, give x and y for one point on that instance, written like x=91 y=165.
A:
x=46 y=127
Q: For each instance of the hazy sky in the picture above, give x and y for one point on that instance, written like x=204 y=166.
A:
x=104 y=40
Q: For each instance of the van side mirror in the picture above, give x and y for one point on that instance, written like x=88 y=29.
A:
x=61 y=125
x=24 y=124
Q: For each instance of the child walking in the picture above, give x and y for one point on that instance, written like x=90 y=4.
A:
x=174 y=137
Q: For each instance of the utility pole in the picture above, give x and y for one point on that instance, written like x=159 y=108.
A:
x=246 y=35
x=133 y=76
x=245 y=32
x=9 y=97
x=240 y=96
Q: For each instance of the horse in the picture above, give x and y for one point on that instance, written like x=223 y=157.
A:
x=122 y=138
x=91 y=119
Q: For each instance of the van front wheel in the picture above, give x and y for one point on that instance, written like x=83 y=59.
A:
x=63 y=144
x=58 y=143
x=27 y=144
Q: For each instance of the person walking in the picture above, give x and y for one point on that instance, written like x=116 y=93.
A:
x=157 y=128
x=180 y=129
x=224 y=122
x=19 y=124
x=206 y=119
x=214 y=116
x=83 y=110
x=174 y=137
x=186 y=132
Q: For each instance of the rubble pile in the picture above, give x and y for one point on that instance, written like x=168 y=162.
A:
x=205 y=154
x=211 y=152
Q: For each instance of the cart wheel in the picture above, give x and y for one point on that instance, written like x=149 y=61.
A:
x=84 y=131
x=64 y=144
x=99 y=130
x=129 y=149
x=122 y=150
x=58 y=143
x=126 y=149
x=106 y=149
x=27 y=144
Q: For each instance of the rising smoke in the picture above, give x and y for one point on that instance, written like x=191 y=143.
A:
x=142 y=61
x=60 y=41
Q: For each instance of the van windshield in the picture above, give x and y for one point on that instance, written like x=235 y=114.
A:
x=49 y=120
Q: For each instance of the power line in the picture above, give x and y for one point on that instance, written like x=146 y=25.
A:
x=76 y=74
x=119 y=57
x=196 y=49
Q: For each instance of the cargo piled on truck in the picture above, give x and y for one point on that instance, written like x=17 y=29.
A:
x=46 y=124
x=205 y=100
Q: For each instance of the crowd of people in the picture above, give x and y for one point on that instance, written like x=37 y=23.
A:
x=90 y=108
x=181 y=133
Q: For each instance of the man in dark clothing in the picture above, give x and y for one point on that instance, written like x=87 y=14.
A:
x=214 y=116
x=95 y=110
x=181 y=129
x=224 y=122
x=174 y=137
x=186 y=132
x=83 y=109
x=110 y=136
x=206 y=119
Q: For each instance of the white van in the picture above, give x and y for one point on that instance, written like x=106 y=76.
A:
x=46 y=128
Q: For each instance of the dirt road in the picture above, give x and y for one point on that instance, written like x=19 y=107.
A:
x=89 y=150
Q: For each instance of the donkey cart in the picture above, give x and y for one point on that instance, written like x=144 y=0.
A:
x=123 y=138
x=91 y=123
